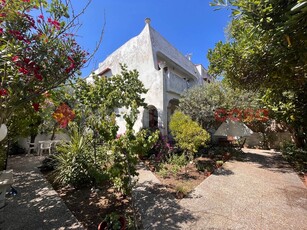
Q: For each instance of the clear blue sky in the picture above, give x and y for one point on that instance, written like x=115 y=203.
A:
x=192 y=26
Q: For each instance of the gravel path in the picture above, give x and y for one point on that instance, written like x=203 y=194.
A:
x=261 y=192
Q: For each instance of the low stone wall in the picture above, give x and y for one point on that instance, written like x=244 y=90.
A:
x=275 y=140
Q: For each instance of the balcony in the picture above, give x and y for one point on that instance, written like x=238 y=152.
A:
x=176 y=84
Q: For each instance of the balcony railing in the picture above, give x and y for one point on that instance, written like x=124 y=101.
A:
x=176 y=84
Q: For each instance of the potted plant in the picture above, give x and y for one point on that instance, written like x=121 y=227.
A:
x=113 y=221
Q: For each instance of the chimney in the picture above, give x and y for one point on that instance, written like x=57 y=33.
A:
x=147 y=20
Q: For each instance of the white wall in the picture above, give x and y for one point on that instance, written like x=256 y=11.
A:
x=23 y=142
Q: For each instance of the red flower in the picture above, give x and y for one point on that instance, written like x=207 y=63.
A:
x=35 y=106
x=41 y=16
x=26 y=0
x=23 y=70
x=39 y=76
x=15 y=58
x=3 y=92
x=63 y=115
x=1 y=31
x=55 y=23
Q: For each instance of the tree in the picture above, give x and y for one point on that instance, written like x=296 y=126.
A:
x=203 y=102
x=95 y=128
x=267 y=51
x=96 y=152
x=37 y=53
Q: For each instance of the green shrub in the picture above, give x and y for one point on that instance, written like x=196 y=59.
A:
x=188 y=134
x=178 y=160
x=163 y=171
x=76 y=164
x=296 y=156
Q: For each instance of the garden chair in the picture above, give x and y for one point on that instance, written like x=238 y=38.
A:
x=32 y=146
x=44 y=145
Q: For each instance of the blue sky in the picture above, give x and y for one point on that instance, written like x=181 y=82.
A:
x=190 y=26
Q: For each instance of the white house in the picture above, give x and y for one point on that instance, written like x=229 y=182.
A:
x=164 y=71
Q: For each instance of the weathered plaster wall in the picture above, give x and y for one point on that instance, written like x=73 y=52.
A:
x=143 y=53
x=137 y=54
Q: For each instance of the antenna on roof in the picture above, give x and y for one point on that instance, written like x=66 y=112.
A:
x=189 y=56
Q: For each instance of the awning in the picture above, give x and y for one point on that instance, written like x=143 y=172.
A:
x=233 y=128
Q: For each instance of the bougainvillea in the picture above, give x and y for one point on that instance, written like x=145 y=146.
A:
x=245 y=115
x=38 y=51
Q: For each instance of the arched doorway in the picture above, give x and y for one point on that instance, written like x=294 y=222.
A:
x=152 y=117
x=172 y=106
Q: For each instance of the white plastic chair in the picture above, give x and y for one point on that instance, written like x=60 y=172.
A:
x=45 y=145
x=32 y=146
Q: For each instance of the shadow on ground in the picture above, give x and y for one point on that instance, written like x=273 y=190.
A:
x=158 y=208
x=37 y=205
x=269 y=160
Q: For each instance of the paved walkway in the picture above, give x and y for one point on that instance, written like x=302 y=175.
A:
x=262 y=192
x=36 y=206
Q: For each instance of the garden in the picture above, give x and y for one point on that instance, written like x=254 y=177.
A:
x=95 y=168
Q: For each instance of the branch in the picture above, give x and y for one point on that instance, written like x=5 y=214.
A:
x=99 y=41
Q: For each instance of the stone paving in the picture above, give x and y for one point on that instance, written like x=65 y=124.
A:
x=261 y=192
x=36 y=206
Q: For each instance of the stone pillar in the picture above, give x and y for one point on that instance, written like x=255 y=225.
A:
x=163 y=113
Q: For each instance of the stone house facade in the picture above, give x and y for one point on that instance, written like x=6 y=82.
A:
x=164 y=71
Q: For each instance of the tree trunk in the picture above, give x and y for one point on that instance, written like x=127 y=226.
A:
x=298 y=137
x=53 y=131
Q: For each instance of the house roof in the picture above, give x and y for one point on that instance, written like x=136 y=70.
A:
x=159 y=46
